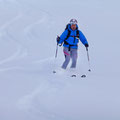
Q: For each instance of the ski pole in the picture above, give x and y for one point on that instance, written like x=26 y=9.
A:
x=57 y=39
x=56 y=51
x=88 y=59
x=54 y=71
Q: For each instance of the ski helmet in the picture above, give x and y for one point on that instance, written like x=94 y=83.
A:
x=73 y=21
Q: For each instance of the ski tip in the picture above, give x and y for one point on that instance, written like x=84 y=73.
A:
x=89 y=70
x=73 y=76
x=83 y=76
x=54 y=71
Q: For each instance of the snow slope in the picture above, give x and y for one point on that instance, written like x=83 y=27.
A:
x=29 y=90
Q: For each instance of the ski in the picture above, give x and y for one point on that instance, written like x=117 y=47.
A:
x=54 y=71
x=83 y=76
x=73 y=76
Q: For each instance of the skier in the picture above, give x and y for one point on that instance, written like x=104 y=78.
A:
x=70 y=37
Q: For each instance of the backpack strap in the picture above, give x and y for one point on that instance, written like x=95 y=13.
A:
x=69 y=32
x=77 y=33
x=68 y=35
x=67 y=26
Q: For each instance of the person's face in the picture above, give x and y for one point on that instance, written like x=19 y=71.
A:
x=73 y=26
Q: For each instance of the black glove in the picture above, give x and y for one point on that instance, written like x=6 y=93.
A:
x=58 y=39
x=86 y=45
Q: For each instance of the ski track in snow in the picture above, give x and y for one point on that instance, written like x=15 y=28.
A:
x=4 y=32
x=21 y=50
x=32 y=103
x=28 y=29
x=27 y=101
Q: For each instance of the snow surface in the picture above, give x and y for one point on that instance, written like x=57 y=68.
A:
x=29 y=90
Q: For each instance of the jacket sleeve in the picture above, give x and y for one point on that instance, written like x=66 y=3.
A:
x=82 y=38
x=63 y=36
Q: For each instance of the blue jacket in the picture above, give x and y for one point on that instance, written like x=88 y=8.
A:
x=72 y=41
